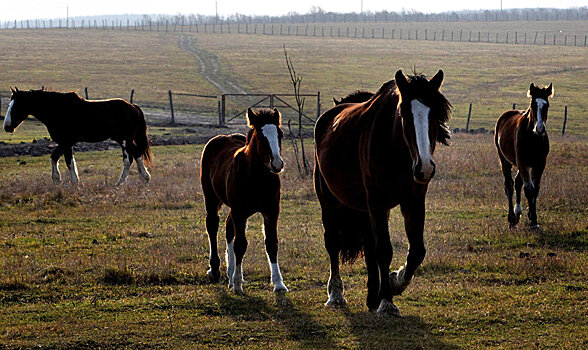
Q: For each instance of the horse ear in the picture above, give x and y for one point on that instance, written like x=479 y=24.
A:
x=12 y=90
x=277 y=116
x=531 y=90
x=401 y=81
x=437 y=80
x=251 y=118
x=335 y=101
x=550 y=90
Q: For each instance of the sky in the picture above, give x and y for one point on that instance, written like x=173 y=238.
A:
x=35 y=9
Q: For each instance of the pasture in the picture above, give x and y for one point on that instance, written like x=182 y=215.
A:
x=109 y=267
x=105 y=267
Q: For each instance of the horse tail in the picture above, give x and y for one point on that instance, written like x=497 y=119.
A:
x=355 y=226
x=142 y=139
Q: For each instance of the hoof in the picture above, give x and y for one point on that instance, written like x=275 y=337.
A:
x=535 y=227
x=213 y=276
x=236 y=289
x=397 y=282
x=336 y=300
x=387 y=309
x=280 y=288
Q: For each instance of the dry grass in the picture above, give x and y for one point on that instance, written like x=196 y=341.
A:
x=99 y=266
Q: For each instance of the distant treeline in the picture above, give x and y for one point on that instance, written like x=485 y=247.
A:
x=316 y=15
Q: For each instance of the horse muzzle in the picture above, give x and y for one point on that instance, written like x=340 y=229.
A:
x=276 y=165
x=423 y=174
x=539 y=129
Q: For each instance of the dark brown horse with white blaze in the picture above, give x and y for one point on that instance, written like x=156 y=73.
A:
x=371 y=157
x=521 y=140
x=71 y=119
x=242 y=173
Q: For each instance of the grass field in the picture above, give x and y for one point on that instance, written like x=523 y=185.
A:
x=490 y=76
x=106 y=267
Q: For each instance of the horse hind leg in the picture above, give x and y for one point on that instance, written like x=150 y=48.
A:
x=230 y=251
x=55 y=174
x=126 y=164
x=70 y=161
x=239 y=248
x=518 y=209
x=508 y=190
x=142 y=169
x=212 y=221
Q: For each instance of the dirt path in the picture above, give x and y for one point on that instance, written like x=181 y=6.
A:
x=209 y=67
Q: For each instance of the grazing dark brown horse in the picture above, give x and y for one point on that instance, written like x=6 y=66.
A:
x=521 y=140
x=71 y=119
x=242 y=173
x=371 y=157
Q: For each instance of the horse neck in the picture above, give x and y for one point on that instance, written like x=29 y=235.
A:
x=251 y=158
x=39 y=108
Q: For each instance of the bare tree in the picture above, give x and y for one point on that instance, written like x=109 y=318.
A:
x=304 y=169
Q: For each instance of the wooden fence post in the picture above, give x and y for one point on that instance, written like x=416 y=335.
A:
x=514 y=106
x=469 y=116
x=318 y=104
x=132 y=94
x=86 y=92
x=220 y=118
x=563 y=129
x=223 y=100
x=171 y=107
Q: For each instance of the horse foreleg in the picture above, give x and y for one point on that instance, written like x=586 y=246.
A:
x=70 y=161
x=239 y=247
x=142 y=169
x=414 y=222
x=536 y=174
x=55 y=175
x=270 y=224
x=126 y=164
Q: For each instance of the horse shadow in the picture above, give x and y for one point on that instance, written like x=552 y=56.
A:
x=407 y=332
x=368 y=330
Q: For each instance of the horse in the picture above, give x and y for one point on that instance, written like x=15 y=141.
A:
x=521 y=141
x=241 y=172
x=71 y=119
x=357 y=96
x=369 y=158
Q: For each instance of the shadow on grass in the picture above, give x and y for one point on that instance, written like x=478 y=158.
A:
x=407 y=332
x=294 y=324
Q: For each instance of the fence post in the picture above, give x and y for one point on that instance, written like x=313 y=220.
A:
x=86 y=92
x=223 y=99
x=318 y=104
x=171 y=107
x=514 y=106
x=271 y=98
x=220 y=119
x=468 y=122
x=132 y=94
x=563 y=129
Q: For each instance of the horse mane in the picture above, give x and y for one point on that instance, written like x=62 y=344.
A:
x=70 y=96
x=357 y=96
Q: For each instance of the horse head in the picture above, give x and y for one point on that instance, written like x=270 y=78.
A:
x=424 y=112
x=16 y=112
x=539 y=106
x=265 y=136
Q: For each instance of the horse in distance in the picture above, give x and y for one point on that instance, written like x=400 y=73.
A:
x=521 y=141
x=371 y=157
x=241 y=172
x=71 y=119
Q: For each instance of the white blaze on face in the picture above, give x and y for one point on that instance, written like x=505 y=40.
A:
x=8 y=118
x=270 y=131
x=420 y=114
x=540 y=124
